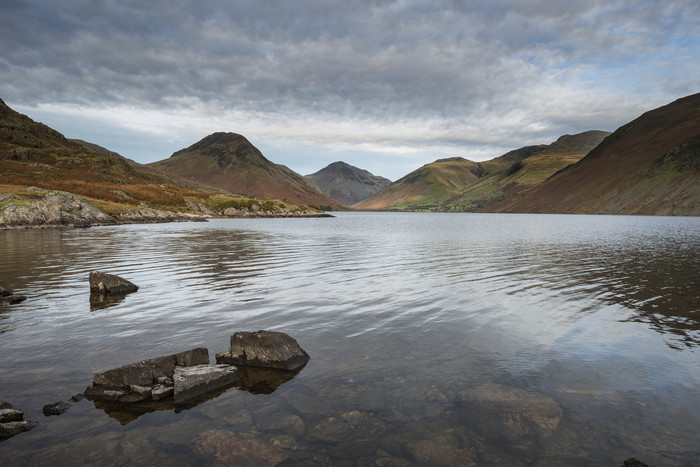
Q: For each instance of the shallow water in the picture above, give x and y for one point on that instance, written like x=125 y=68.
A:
x=435 y=339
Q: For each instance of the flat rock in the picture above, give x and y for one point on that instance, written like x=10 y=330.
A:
x=149 y=372
x=10 y=415
x=193 y=381
x=267 y=349
x=57 y=408
x=109 y=283
x=161 y=391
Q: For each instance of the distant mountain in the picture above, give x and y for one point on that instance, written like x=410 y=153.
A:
x=648 y=166
x=230 y=162
x=458 y=184
x=345 y=183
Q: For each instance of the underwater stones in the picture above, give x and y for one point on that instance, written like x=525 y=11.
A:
x=227 y=448
x=193 y=381
x=109 y=283
x=267 y=349
x=512 y=413
x=8 y=296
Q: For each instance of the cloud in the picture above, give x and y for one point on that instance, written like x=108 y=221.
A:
x=382 y=76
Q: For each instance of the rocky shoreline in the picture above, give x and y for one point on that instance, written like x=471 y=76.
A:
x=53 y=208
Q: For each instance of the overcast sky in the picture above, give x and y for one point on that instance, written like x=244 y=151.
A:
x=383 y=85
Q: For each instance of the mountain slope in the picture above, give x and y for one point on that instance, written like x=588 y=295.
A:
x=345 y=183
x=230 y=162
x=458 y=184
x=32 y=154
x=648 y=166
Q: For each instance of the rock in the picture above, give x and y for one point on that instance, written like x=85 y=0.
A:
x=53 y=209
x=11 y=415
x=227 y=448
x=5 y=405
x=97 y=393
x=161 y=391
x=500 y=411
x=5 y=292
x=57 y=408
x=109 y=283
x=149 y=372
x=15 y=299
x=267 y=349
x=632 y=462
x=77 y=397
x=193 y=381
x=7 y=430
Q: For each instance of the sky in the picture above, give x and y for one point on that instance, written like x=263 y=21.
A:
x=386 y=86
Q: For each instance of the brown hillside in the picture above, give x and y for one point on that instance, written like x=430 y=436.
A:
x=648 y=166
x=230 y=162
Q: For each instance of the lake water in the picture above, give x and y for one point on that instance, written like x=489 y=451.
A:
x=435 y=339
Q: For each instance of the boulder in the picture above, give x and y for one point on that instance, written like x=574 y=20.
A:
x=632 y=462
x=5 y=292
x=109 y=283
x=5 y=405
x=8 y=296
x=266 y=349
x=193 y=381
x=57 y=408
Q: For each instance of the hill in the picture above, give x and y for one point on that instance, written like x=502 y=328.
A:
x=345 y=183
x=648 y=166
x=458 y=184
x=230 y=162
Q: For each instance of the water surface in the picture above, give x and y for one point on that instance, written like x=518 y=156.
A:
x=435 y=339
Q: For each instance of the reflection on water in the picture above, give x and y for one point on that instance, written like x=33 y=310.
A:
x=435 y=339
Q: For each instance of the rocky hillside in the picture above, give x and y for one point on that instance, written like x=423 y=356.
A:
x=230 y=162
x=345 y=183
x=648 y=166
x=48 y=180
x=458 y=184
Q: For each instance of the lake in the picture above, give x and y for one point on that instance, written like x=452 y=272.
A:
x=435 y=339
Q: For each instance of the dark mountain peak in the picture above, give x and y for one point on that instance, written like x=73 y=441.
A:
x=580 y=143
x=228 y=149
x=345 y=183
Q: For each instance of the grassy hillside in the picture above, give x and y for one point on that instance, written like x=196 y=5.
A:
x=230 y=162
x=458 y=184
x=648 y=166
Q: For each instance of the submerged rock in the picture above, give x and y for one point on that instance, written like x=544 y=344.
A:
x=512 y=413
x=109 y=283
x=8 y=296
x=632 y=462
x=193 y=381
x=228 y=448
x=267 y=349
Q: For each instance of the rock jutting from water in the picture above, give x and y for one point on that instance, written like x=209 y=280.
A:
x=8 y=296
x=12 y=421
x=193 y=381
x=145 y=380
x=103 y=283
x=266 y=349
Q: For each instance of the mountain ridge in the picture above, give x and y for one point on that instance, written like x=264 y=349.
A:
x=345 y=183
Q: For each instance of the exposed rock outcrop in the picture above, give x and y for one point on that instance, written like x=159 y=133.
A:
x=12 y=421
x=109 y=283
x=136 y=382
x=267 y=349
x=8 y=296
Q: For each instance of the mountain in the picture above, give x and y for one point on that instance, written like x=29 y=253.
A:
x=648 y=166
x=345 y=183
x=229 y=161
x=458 y=184
x=32 y=154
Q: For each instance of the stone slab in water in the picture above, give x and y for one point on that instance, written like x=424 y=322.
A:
x=109 y=283
x=267 y=349
x=10 y=415
x=193 y=381
x=148 y=372
x=7 y=430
